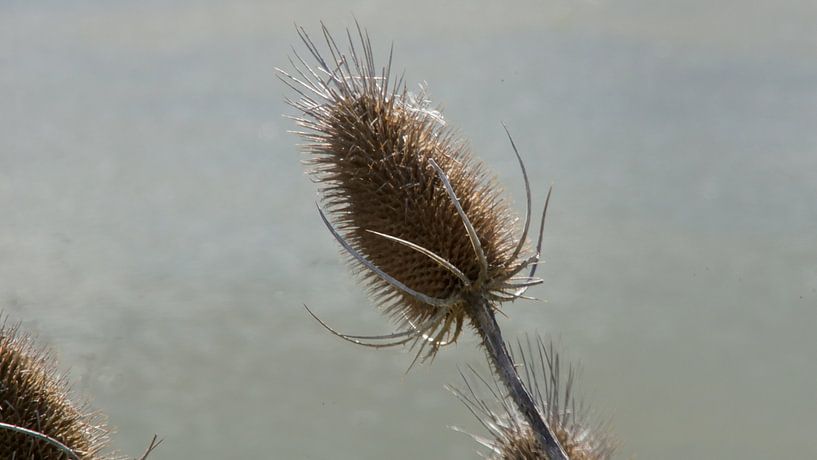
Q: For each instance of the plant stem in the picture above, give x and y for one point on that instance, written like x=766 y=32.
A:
x=485 y=322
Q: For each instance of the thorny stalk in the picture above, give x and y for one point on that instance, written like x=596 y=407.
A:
x=485 y=323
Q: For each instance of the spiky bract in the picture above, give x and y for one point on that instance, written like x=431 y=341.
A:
x=512 y=438
x=374 y=149
x=35 y=397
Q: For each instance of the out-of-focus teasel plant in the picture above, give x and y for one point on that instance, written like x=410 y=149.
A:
x=422 y=220
x=511 y=437
x=38 y=419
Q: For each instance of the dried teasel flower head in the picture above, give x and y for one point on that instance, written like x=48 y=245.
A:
x=511 y=436
x=426 y=222
x=39 y=421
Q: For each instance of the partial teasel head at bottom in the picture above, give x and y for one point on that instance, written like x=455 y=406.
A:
x=33 y=396
x=426 y=224
x=510 y=437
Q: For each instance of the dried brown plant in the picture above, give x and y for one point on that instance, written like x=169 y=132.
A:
x=39 y=421
x=422 y=220
x=405 y=196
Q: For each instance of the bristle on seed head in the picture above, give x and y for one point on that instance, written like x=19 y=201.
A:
x=511 y=436
x=425 y=221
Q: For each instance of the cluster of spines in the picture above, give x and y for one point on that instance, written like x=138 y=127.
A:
x=39 y=419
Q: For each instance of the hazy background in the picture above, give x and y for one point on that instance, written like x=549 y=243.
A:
x=157 y=230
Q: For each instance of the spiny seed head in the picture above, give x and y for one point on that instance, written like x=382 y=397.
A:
x=512 y=438
x=34 y=396
x=392 y=175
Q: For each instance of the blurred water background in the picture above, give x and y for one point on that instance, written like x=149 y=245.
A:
x=157 y=230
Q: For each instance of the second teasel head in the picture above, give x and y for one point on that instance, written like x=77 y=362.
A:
x=33 y=396
x=404 y=196
x=553 y=387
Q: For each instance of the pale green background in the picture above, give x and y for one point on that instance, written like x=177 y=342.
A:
x=156 y=228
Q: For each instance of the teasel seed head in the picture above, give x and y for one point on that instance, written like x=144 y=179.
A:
x=39 y=420
x=511 y=435
x=425 y=221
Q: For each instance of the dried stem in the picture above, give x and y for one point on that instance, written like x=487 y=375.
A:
x=154 y=443
x=484 y=321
